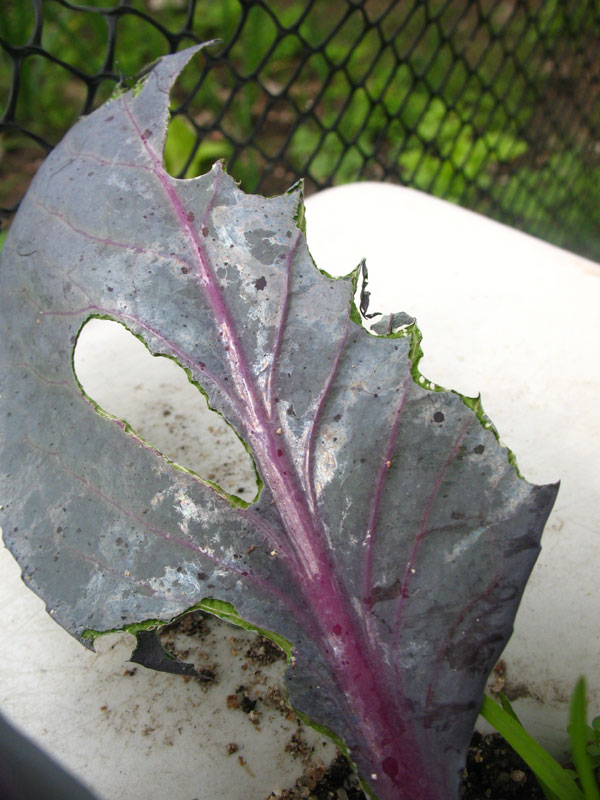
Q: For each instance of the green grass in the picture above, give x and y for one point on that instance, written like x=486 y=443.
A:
x=557 y=783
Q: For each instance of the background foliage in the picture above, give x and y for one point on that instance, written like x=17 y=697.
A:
x=492 y=104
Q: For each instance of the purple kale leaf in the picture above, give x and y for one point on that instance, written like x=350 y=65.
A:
x=392 y=536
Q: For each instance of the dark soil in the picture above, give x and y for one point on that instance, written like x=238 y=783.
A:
x=496 y=772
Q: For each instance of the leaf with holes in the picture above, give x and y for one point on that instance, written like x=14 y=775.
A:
x=392 y=535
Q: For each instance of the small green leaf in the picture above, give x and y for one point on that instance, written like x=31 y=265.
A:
x=543 y=765
x=578 y=733
x=506 y=705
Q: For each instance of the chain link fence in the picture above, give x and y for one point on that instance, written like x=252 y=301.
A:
x=492 y=104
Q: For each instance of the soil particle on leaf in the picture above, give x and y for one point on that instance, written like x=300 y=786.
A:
x=206 y=674
x=495 y=772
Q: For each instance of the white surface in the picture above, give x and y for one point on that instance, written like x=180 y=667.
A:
x=502 y=313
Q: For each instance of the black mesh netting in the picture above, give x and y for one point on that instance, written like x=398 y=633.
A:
x=492 y=104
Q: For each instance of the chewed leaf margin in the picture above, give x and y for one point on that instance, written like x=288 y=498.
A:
x=473 y=403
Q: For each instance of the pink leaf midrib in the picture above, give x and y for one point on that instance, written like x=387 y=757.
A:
x=305 y=547
x=317 y=579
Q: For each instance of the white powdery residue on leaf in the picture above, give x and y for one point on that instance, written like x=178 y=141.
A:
x=188 y=510
x=96 y=585
x=464 y=544
x=332 y=440
x=176 y=583
x=118 y=180
x=262 y=368
x=157 y=499
x=99 y=587
x=354 y=537
x=325 y=471
x=221 y=220
x=258 y=308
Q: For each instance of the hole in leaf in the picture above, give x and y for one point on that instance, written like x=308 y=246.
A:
x=153 y=394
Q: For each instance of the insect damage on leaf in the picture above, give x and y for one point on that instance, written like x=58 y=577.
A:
x=392 y=537
x=119 y=375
